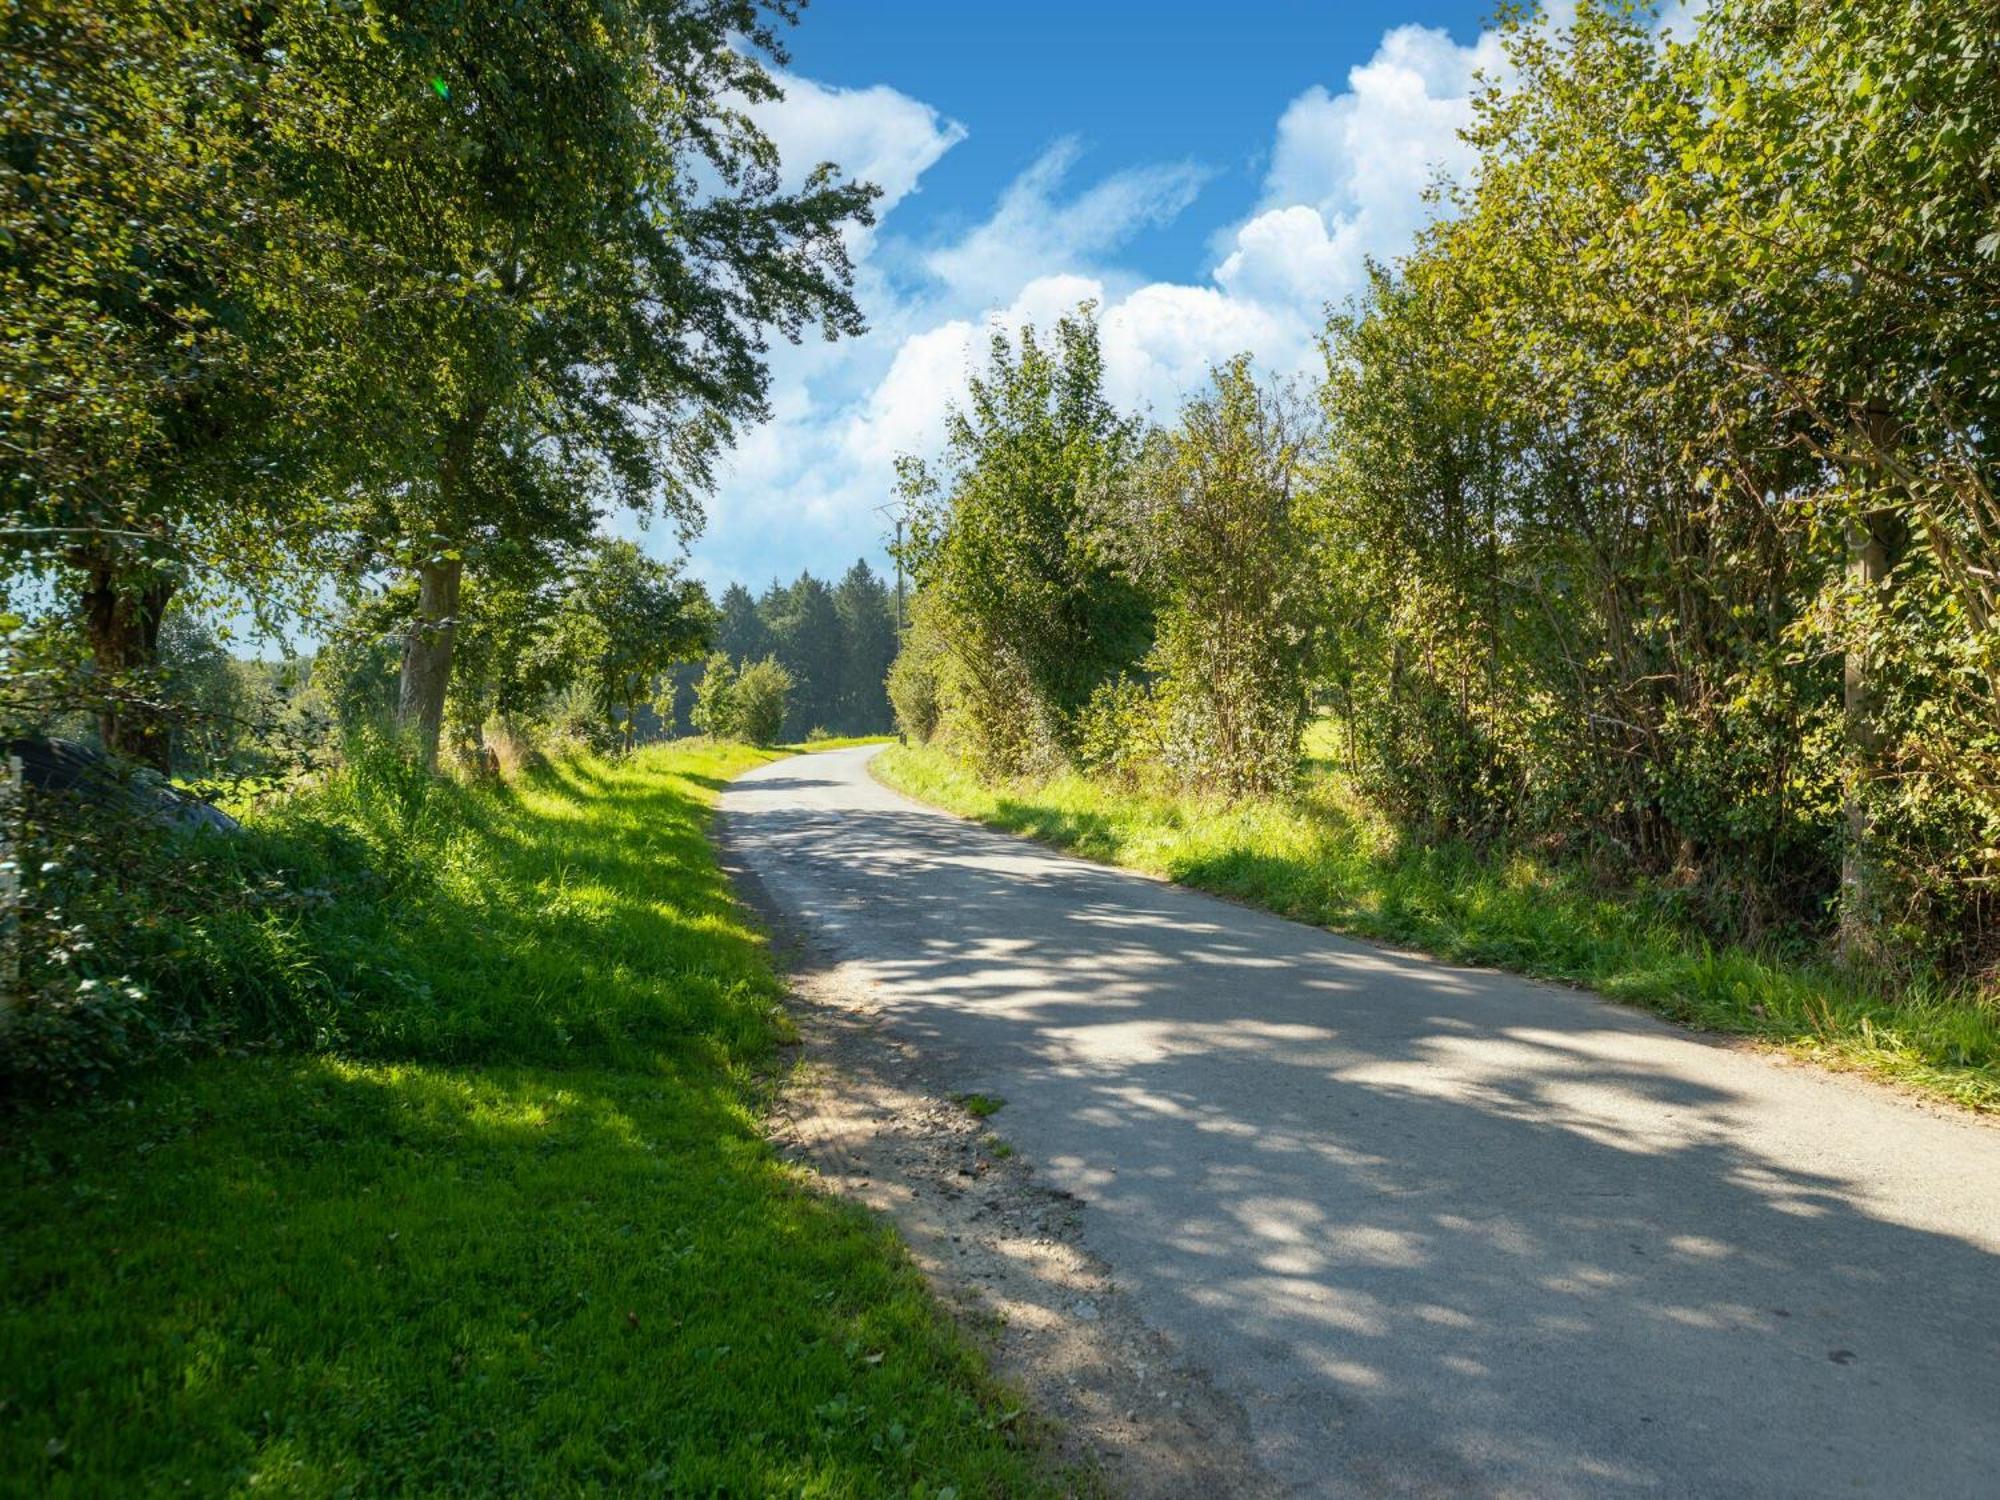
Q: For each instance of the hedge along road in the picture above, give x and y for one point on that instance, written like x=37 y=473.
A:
x=1440 y=1231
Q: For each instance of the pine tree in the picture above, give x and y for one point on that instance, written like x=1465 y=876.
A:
x=868 y=636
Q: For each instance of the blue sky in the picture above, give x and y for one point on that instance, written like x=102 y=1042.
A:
x=1212 y=175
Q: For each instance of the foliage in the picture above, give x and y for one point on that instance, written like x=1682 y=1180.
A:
x=160 y=403
x=807 y=637
x=758 y=702
x=1653 y=527
x=245 y=360
x=1661 y=474
x=715 y=698
x=471 y=1239
x=1225 y=557
x=617 y=244
x=868 y=623
x=1017 y=545
x=741 y=631
x=836 y=644
x=624 y=620
x=917 y=676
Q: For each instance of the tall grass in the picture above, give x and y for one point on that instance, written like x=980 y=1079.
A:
x=1320 y=857
x=486 y=1208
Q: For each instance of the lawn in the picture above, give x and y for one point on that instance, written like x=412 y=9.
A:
x=517 y=1232
x=1319 y=857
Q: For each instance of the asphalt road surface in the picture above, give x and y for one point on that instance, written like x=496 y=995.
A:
x=1440 y=1231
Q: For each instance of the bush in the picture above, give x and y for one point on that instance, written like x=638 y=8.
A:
x=915 y=689
x=577 y=722
x=714 y=698
x=758 y=701
x=138 y=940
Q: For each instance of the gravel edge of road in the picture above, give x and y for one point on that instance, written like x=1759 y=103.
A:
x=1108 y=1396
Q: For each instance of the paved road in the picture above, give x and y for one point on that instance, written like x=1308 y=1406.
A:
x=1441 y=1231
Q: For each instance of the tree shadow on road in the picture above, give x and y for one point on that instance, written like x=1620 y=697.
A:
x=1451 y=1231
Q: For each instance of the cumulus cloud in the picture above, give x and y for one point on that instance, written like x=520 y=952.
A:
x=1346 y=181
x=875 y=134
x=1161 y=341
x=1349 y=171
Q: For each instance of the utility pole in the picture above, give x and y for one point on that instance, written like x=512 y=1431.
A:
x=898 y=512
x=10 y=884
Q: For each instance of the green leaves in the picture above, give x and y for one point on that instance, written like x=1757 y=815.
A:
x=1597 y=447
x=1020 y=544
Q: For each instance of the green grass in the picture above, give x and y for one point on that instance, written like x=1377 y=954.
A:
x=981 y=1106
x=519 y=1234
x=840 y=742
x=1319 y=857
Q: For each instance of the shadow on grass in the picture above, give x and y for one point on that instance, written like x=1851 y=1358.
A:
x=317 y=1276
x=574 y=1268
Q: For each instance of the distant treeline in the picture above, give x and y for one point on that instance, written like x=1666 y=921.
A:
x=835 y=641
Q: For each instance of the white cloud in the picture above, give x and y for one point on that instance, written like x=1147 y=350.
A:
x=1349 y=171
x=874 y=134
x=1363 y=150
x=1032 y=231
x=1346 y=181
x=1161 y=342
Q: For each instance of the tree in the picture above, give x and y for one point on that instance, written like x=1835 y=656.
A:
x=715 y=698
x=162 y=409
x=1228 y=562
x=805 y=630
x=587 y=238
x=624 y=620
x=1020 y=548
x=1659 y=514
x=741 y=630
x=868 y=646
x=757 y=701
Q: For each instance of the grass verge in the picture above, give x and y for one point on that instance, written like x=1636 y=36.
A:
x=1316 y=860
x=520 y=1234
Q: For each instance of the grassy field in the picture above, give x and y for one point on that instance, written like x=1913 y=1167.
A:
x=517 y=1234
x=1319 y=858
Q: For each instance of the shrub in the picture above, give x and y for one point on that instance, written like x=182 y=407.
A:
x=714 y=698
x=758 y=701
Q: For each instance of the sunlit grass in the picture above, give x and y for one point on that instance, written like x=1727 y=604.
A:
x=519 y=1234
x=1320 y=857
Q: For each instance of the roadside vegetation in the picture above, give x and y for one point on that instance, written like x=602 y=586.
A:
x=462 y=1190
x=1638 y=545
x=1319 y=855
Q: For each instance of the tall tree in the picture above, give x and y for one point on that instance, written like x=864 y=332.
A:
x=625 y=619
x=868 y=646
x=740 y=631
x=1227 y=556
x=1019 y=544
x=587 y=239
x=159 y=407
x=805 y=627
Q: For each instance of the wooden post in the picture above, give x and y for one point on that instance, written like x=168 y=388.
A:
x=10 y=887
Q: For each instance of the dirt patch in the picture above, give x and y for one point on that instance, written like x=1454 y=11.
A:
x=1003 y=1251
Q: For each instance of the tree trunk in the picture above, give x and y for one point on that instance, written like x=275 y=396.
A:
x=1870 y=557
x=122 y=611
x=1868 y=564
x=427 y=656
